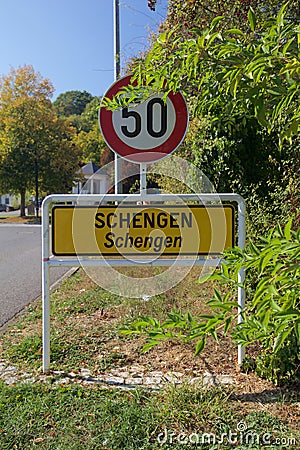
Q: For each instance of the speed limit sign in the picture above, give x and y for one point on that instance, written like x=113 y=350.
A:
x=147 y=132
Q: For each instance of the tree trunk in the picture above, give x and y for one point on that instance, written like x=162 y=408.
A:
x=22 y=207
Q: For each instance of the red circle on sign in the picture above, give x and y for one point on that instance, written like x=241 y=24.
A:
x=155 y=152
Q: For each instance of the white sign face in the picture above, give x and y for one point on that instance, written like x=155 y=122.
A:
x=146 y=126
x=147 y=132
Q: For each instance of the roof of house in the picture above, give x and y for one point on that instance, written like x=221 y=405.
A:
x=90 y=169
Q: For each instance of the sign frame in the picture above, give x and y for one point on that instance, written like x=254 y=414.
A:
x=135 y=154
x=48 y=261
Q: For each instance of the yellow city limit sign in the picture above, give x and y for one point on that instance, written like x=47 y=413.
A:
x=142 y=230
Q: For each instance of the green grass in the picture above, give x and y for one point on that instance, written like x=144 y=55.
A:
x=75 y=334
x=79 y=329
x=84 y=325
x=77 y=417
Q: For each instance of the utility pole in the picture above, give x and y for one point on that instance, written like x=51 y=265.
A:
x=117 y=71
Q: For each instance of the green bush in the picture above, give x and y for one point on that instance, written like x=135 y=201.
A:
x=271 y=318
x=272 y=314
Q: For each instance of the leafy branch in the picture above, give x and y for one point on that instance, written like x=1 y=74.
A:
x=272 y=314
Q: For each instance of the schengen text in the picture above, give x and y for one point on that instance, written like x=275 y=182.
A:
x=156 y=243
x=144 y=219
x=134 y=230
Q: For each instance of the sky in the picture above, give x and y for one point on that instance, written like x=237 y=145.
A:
x=71 y=42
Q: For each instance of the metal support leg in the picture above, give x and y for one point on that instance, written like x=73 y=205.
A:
x=241 y=274
x=46 y=285
x=46 y=317
x=241 y=303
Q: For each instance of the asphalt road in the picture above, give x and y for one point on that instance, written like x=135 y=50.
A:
x=20 y=268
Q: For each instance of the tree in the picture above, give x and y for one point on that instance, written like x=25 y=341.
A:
x=33 y=140
x=91 y=144
x=232 y=75
x=186 y=14
x=72 y=103
x=87 y=137
x=242 y=89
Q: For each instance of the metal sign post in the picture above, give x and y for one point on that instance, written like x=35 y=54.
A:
x=117 y=71
x=143 y=179
x=49 y=260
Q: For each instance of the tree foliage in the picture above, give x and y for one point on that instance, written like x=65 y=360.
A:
x=85 y=121
x=187 y=14
x=91 y=144
x=231 y=75
x=32 y=136
x=72 y=102
x=240 y=74
x=24 y=82
x=242 y=88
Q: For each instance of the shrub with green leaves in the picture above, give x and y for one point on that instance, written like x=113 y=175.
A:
x=271 y=318
x=272 y=313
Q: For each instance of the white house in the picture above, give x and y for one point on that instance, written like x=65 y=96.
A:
x=95 y=180
x=10 y=200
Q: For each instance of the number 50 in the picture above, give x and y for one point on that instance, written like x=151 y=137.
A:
x=149 y=120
